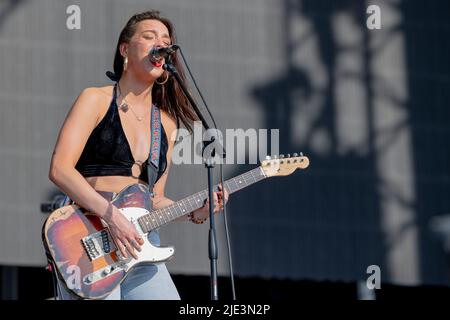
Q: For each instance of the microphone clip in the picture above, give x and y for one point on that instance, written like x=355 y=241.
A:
x=156 y=54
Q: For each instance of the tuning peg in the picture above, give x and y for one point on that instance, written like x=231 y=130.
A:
x=288 y=155
x=275 y=157
x=301 y=154
x=295 y=154
x=281 y=156
x=268 y=158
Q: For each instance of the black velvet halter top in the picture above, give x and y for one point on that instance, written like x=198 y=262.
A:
x=107 y=151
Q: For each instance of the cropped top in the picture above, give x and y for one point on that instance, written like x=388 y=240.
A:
x=108 y=153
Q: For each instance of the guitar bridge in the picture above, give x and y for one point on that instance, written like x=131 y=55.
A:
x=98 y=244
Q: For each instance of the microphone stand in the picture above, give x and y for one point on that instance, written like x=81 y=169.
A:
x=212 y=241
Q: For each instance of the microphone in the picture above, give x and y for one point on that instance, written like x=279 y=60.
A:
x=156 y=54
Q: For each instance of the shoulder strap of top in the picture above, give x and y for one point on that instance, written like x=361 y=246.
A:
x=114 y=94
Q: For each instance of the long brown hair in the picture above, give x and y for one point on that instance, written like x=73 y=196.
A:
x=169 y=96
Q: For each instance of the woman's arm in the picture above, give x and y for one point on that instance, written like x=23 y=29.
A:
x=77 y=127
x=72 y=138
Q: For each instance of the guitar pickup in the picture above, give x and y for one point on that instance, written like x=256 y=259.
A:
x=98 y=244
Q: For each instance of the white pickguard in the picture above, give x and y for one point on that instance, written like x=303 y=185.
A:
x=149 y=252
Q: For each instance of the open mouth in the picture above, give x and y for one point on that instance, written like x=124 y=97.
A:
x=157 y=64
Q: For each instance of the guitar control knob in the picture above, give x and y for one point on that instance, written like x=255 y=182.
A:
x=281 y=156
x=295 y=155
x=89 y=279
x=107 y=271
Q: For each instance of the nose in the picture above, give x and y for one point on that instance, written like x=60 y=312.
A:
x=159 y=43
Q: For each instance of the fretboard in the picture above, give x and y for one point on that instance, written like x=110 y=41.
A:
x=157 y=218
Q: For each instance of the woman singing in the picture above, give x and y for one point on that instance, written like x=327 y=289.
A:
x=104 y=144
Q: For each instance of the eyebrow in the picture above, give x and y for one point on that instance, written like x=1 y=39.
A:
x=165 y=35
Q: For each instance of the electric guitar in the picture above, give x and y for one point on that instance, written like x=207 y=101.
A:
x=87 y=259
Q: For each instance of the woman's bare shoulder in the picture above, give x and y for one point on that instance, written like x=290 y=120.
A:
x=97 y=98
x=92 y=103
x=98 y=93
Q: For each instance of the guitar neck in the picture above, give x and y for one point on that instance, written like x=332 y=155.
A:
x=160 y=217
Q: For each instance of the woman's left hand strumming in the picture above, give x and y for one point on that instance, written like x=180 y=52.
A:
x=201 y=215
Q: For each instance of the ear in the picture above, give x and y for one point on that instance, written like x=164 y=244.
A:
x=123 y=49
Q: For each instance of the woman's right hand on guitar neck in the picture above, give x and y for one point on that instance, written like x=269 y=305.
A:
x=123 y=232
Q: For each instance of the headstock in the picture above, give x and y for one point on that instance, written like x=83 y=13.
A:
x=284 y=165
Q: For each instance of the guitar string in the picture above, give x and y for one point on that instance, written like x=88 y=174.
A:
x=248 y=176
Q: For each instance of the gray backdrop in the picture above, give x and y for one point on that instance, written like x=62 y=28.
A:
x=368 y=107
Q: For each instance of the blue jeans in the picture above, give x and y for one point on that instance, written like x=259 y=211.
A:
x=144 y=282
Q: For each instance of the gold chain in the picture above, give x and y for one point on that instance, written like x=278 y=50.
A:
x=125 y=105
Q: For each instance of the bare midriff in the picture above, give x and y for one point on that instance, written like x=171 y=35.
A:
x=112 y=183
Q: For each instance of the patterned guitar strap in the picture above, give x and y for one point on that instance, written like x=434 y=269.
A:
x=155 y=147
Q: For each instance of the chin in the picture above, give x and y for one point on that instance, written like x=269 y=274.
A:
x=154 y=72
x=157 y=72
x=155 y=75
x=151 y=74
